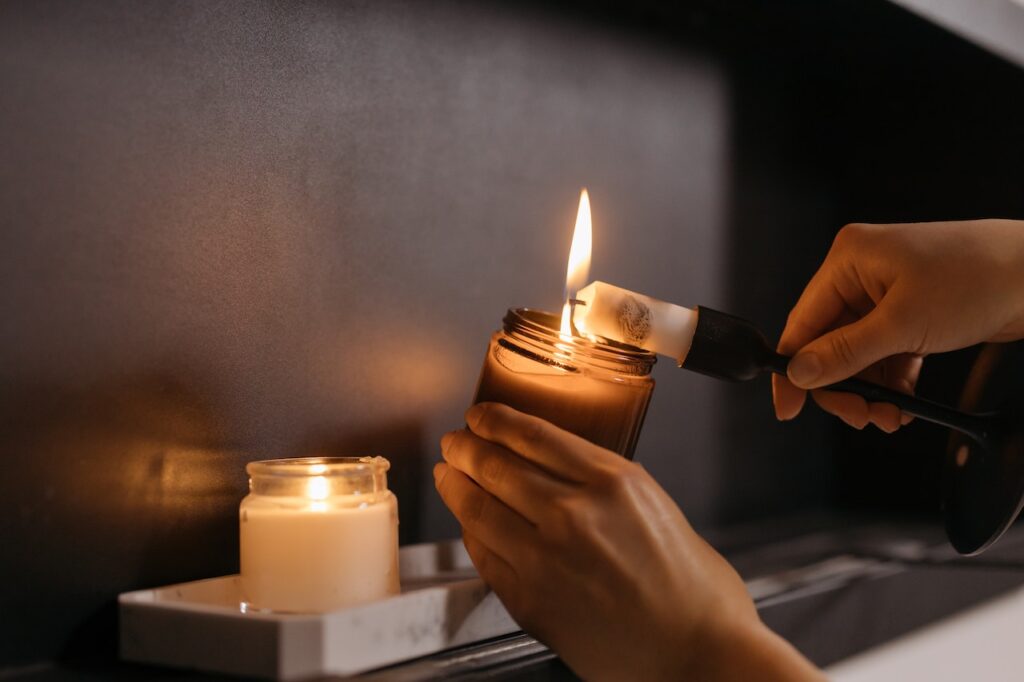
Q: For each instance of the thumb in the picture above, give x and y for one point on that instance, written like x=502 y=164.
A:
x=843 y=352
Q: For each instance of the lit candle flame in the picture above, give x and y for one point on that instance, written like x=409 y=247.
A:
x=578 y=272
x=317 y=488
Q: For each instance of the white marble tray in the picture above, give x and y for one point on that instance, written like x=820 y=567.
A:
x=200 y=625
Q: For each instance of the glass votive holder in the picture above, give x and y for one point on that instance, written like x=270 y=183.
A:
x=597 y=388
x=318 y=534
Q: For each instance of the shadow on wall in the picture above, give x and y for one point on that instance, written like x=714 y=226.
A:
x=110 y=488
x=131 y=485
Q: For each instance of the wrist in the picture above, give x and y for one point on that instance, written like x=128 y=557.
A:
x=743 y=649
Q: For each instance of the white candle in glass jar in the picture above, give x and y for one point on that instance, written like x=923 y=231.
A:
x=318 y=534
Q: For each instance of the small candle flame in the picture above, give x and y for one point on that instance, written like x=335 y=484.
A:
x=317 y=488
x=578 y=272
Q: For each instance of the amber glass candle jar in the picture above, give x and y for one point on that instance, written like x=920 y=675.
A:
x=598 y=389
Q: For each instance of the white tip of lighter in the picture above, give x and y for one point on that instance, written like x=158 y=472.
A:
x=635 y=319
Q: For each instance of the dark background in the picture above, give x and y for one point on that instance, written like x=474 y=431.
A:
x=233 y=231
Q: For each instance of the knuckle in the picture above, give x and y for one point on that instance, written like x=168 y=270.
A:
x=565 y=522
x=851 y=233
x=493 y=469
x=455 y=444
x=910 y=330
x=842 y=349
x=892 y=310
x=612 y=485
x=474 y=509
x=533 y=432
x=484 y=416
x=621 y=481
x=442 y=485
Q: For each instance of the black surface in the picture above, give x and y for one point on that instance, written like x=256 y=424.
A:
x=833 y=625
x=829 y=625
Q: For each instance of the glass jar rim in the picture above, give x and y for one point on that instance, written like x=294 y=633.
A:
x=544 y=327
x=304 y=467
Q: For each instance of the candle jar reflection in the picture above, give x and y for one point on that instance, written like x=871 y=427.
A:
x=597 y=389
x=318 y=534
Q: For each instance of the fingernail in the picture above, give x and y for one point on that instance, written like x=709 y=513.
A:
x=440 y=469
x=783 y=416
x=853 y=424
x=775 y=402
x=905 y=418
x=446 y=440
x=886 y=428
x=473 y=415
x=804 y=368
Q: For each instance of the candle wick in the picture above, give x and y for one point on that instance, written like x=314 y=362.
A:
x=573 y=302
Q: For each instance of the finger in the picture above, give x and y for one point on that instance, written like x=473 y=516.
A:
x=911 y=372
x=885 y=416
x=857 y=412
x=549 y=447
x=481 y=514
x=499 y=575
x=513 y=480
x=902 y=373
x=495 y=571
x=787 y=398
x=899 y=372
x=852 y=409
x=843 y=352
x=819 y=307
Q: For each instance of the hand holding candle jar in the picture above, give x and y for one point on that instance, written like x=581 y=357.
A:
x=318 y=534
x=591 y=556
x=538 y=363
